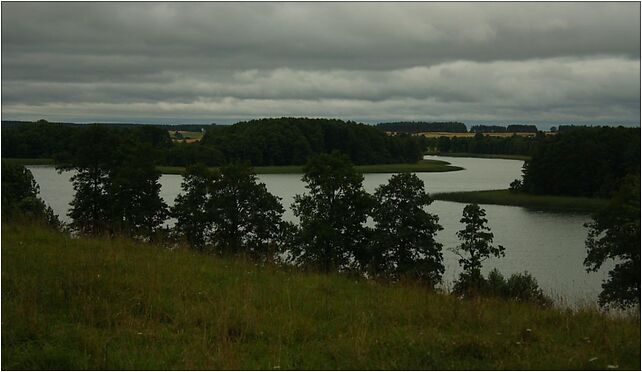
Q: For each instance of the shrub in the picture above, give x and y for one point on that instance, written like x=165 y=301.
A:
x=520 y=287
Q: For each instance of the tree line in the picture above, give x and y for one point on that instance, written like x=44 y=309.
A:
x=228 y=212
x=291 y=141
x=584 y=161
x=422 y=126
x=513 y=128
x=481 y=144
x=283 y=141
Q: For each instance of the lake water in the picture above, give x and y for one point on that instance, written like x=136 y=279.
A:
x=549 y=245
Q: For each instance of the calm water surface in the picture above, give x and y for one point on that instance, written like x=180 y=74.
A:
x=549 y=245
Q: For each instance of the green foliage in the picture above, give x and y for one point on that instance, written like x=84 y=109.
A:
x=101 y=304
x=518 y=198
x=483 y=144
x=520 y=287
x=518 y=128
x=230 y=212
x=291 y=141
x=583 y=161
x=420 y=166
x=476 y=241
x=404 y=238
x=191 y=208
x=421 y=126
x=332 y=234
x=137 y=209
x=247 y=218
x=614 y=234
x=20 y=196
x=516 y=185
x=116 y=185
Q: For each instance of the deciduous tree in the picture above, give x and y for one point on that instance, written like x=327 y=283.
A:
x=404 y=232
x=614 y=234
x=332 y=234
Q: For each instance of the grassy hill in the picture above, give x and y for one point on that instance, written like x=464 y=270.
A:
x=115 y=304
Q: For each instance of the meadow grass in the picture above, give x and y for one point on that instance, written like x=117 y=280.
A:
x=116 y=304
x=420 y=166
x=507 y=197
x=485 y=156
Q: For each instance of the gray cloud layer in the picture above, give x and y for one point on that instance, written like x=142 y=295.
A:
x=482 y=62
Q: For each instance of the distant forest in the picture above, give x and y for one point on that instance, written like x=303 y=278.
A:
x=422 y=126
x=452 y=127
x=513 y=128
x=481 y=144
x=583 y=161
x=283 y=141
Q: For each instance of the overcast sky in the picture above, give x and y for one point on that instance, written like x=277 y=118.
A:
x=542 y=63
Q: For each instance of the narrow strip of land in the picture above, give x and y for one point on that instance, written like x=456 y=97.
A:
x=484 y=156
x=420 y=166
x=520 y=199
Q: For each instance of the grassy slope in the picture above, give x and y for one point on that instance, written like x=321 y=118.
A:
x=506 y=197
x=421 y=166
x=486 y=156
x=101 y=304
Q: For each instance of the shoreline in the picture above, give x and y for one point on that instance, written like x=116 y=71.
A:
x=520 y=199
x=419 y=167
x=481 y=156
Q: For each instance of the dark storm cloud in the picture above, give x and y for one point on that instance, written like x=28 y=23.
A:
x=370 y=61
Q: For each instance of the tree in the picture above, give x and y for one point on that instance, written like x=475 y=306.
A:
x=191 y=208
x=614 y=234
x=230 y=212
x=90 y=156
x=20 y=196
x=405 y=232
x=246 y=216
x=476 y=244
x=116 y=184
x=332 y=234
x=137 y=209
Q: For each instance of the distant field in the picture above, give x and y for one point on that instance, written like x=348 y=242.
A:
x=470 y=134
x=506 y=197
x=421 y=166
x=185 y=136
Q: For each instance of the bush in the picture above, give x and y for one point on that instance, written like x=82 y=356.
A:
x=520 y=287
x=516 y=185
x=20 y=199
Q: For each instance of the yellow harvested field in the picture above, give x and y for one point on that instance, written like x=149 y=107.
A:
x=470 y=134
x=185 y=136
